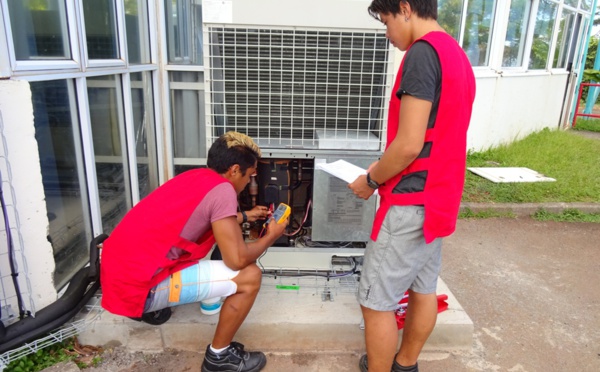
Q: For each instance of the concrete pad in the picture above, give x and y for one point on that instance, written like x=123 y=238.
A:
x=282 y=320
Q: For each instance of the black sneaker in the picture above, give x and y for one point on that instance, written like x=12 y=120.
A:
x=364 y=366
x=398 y=368
x=233 y=359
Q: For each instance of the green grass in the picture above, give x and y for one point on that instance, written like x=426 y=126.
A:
x=568 y=215
x=573 y=160
x=590 y=124
x=51 y=355
x=467 y=213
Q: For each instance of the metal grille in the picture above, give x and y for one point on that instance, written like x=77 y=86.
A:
x=298 y=88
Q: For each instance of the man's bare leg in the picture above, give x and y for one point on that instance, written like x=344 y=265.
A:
x=421 y=316
x=381 y=338
x=237 y=306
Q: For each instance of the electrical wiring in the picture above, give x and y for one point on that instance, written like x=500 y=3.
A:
x=303 y=220
x=330 y=274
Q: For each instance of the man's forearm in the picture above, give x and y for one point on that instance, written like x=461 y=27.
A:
x=394 y=160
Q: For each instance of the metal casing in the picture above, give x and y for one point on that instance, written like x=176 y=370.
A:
x=337 y=214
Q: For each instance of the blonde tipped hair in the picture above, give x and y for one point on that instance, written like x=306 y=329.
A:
x=234 y=139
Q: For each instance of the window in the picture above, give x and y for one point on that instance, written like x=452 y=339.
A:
x=586 y=4
x=184 y=31
x=568 y=28
x=136 y=25
x=449 y=16
x=187 y=118
x=39 y=29
x=100 y=29
x=108 y=132
x=542 y=35
x=476 y=39
x=476 y=35
x=144 y=132
x=514 y=44
x=63 y=176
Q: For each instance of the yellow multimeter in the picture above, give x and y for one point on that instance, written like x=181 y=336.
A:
x=282 y=212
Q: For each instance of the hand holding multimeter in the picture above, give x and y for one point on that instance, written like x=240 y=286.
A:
x=281 y=213
x=277 y=223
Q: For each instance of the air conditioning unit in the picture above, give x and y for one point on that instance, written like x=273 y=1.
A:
x=308 y=81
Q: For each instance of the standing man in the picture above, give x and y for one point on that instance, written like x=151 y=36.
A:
x=151 y=260
x=420 y=179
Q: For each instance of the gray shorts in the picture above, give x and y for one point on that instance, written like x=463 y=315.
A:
x=399 y=260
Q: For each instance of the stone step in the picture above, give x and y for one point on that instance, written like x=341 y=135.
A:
x=292 y=315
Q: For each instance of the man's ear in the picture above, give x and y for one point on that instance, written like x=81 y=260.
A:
x=405 y=9
x=234 y=169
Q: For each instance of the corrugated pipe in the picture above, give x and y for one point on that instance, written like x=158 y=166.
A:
x=82 y=287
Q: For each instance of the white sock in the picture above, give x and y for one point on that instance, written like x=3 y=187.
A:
x=218 y=351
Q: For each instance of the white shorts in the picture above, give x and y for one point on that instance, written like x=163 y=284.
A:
x=206 y=279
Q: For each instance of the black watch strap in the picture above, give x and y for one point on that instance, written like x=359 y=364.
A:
x=244 y=217
x=372 y=184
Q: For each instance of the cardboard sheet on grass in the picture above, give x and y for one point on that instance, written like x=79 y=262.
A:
x=508 y=174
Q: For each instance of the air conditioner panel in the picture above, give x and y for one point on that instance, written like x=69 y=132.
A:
x=338 y=215
x=284 y=85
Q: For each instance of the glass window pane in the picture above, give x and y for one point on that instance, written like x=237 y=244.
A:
x=100 y=29
x=449 y=16
x=184 y=31
x=565 y=35
x=136 y=23
x=514 y=44
x=542 y=35
x=39 y=29
x=63 y=176
x=476 y=41
x=106 y=113
x=145 y=139
x=187 y=105
x=571 y=3
x=586 y=4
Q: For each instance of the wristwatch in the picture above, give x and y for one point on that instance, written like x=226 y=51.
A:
x=372 y=184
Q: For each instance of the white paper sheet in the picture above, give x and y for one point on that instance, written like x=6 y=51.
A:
x=510 y=174
x=343 y=170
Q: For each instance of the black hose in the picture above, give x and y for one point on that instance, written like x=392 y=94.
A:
x=54 y=315
x=11 y=257
x=82 y=287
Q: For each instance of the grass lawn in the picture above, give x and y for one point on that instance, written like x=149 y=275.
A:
x=573 y=160
x=590 y=124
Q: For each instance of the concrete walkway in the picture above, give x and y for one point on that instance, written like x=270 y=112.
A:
x=530 y=289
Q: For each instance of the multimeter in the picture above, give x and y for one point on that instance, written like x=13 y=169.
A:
x=282 y=212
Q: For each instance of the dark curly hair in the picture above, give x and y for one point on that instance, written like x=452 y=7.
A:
x=233 y=148
x=423 y=8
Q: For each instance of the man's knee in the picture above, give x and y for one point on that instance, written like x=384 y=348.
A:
x=250 y=277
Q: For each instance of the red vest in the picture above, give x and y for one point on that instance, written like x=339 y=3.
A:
x=134 y=257
x=446 y=163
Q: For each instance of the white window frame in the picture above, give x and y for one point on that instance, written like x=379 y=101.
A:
x=120 y=33
x=43 y=64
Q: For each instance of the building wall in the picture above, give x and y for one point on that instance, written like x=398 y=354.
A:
x=22 y=187
x=508 y=108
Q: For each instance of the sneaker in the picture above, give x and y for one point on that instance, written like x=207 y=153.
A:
x=398 y=368
x=364 y=366
x=233 y=359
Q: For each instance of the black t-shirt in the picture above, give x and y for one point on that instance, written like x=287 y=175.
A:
x=422 y=76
